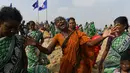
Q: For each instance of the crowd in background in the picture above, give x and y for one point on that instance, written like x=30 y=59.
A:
x=49 y=30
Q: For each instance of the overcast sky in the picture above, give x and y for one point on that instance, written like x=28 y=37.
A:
x=102 y=12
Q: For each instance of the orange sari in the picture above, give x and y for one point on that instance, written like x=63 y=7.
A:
x=69 y=58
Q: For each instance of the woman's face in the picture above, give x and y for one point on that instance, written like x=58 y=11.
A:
x=36 y=27
x=9 y=28
x=61 y=24
x=119 y=28
x=32 y=27
x=72 y=24
x=125 y=65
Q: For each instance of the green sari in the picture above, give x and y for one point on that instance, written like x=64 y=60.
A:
x=12 y=55
x=91 y=30
x=33 y=59
x=53 y=30
x=119 y=45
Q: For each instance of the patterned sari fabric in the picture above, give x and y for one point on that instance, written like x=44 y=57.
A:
x=91 y=30
x=53 y=29
x=119 y=45
x=33 y=58
x=12 y=55
x=70 y=53
x=37 y=35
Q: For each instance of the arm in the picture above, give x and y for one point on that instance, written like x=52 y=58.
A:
x=96 y=41
x=106 y=34
x=47 y=50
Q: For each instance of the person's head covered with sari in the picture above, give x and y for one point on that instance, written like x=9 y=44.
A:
x=32 y=25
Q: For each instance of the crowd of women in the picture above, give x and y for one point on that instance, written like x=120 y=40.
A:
x=22 y=49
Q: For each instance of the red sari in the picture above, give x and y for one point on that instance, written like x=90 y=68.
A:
x=96 y=48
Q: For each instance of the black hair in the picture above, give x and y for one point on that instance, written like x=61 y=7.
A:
x=58 y=19
x=31 y=23
x=125 y=55
x=27 y=23
x=71 y=18
x=122 y=20
x=10 y=13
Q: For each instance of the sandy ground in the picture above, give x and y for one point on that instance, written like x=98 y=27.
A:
x=54 y=58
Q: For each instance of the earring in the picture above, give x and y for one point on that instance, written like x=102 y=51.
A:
x=11 y=31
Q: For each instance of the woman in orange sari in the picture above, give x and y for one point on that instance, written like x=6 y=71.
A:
x=76 y=46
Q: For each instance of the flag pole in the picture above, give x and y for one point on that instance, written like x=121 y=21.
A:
x=38 y=12
x=38 y=16
x=47 y=11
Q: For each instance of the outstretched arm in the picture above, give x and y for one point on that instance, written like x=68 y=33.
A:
x=107 y=33
x=48 y=50
x=96 y=41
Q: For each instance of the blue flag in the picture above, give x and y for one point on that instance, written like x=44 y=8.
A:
x=44 y=6
x=35 y=5
x=11 y=5
x=67 y=19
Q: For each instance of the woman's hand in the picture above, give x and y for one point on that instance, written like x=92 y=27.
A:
x=30 y=41
x=109 y=33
